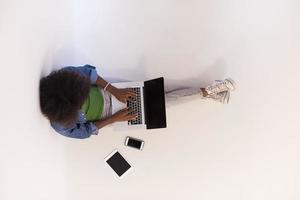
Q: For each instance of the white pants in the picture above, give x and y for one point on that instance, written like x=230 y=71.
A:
x=183 y=92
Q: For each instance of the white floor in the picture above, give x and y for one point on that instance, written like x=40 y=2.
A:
x=247 y=150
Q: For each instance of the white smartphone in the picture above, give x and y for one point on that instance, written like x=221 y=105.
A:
x=134 y=143
x=118 y=163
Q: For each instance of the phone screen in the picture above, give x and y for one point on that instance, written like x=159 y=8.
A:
x=134 y=143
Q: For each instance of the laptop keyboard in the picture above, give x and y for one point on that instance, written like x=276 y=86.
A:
x=134 y=104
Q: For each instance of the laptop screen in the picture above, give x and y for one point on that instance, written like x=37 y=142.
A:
x=154 y=103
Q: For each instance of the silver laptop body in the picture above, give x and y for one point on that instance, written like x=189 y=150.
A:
x=134 y=104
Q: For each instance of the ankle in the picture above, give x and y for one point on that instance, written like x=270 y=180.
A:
x=204 y=92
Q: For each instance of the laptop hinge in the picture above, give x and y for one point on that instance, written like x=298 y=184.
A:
x=145 y=106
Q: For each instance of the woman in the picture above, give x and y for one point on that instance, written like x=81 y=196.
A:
x=77 y=101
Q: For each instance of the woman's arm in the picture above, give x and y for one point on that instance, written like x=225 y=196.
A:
x=121 y=94
x=100 y=82
x=103 y=122
x=122 y=115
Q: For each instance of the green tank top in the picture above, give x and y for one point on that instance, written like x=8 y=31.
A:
x=93 y=105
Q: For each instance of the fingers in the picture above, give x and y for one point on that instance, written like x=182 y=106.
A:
x=130 y=92
x=127 y=111
x=127 y=94
x=127 y=114
x=129 y=117
x=132 y=116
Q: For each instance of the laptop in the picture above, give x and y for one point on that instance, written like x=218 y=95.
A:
x=149 y=105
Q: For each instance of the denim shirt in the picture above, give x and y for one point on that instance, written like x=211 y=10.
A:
x=81 y=129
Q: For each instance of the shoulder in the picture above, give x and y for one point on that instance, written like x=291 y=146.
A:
x=79 y=68
x=65 y=131
x=85 y=70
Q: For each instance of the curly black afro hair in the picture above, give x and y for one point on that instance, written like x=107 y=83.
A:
x=61 y=95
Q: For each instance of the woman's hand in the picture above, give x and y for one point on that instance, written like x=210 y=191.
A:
x=124 y=115
x=124 y=94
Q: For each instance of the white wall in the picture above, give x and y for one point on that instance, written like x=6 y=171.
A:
x=245 y=150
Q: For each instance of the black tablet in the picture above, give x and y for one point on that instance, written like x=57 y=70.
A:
x=118 y=163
